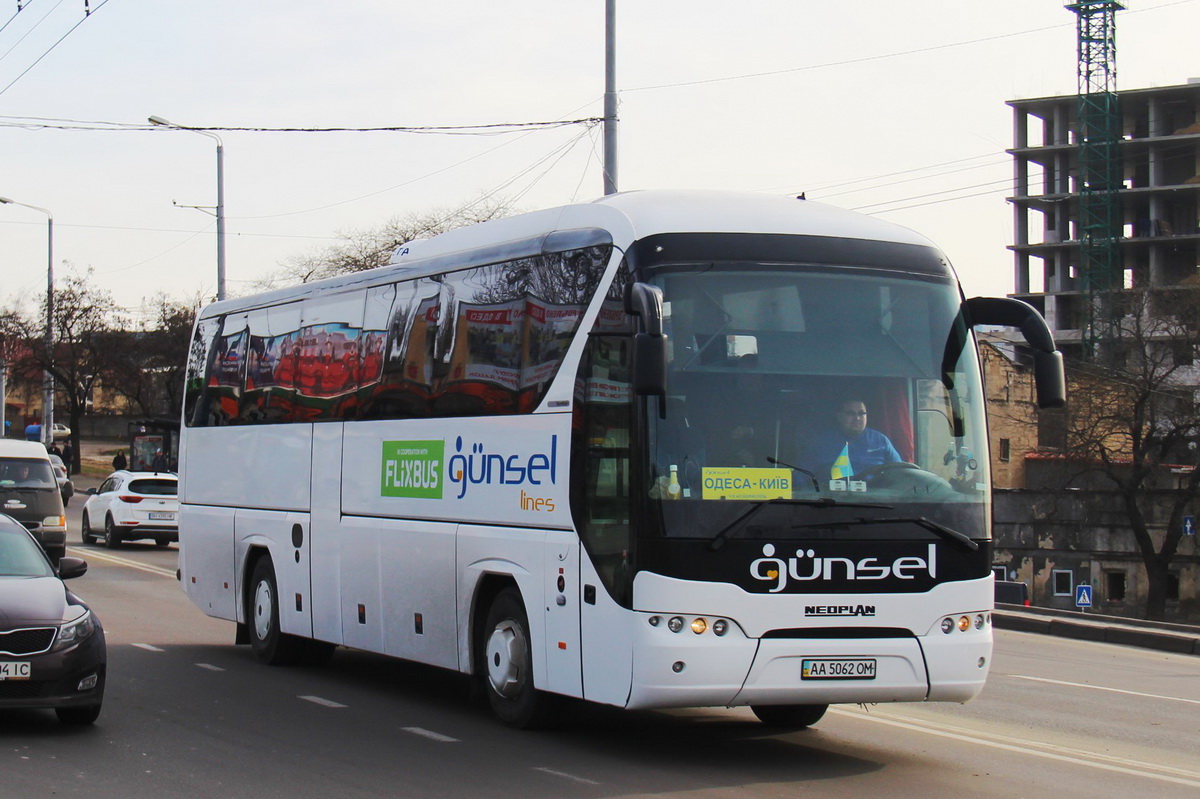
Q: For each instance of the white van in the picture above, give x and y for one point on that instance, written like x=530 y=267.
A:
x=29 y=493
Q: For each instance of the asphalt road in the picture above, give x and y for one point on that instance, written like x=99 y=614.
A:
x=189 y=714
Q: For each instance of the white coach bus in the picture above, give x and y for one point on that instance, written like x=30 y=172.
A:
x=578 y=452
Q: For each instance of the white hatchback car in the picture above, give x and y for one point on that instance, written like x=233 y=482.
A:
x=130 y=506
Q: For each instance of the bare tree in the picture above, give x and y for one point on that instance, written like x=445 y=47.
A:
x=1133 y=416
x=85 y=343
x=369 y=249
x=148 y=369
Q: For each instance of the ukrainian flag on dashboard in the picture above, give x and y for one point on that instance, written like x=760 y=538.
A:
x=841 y=467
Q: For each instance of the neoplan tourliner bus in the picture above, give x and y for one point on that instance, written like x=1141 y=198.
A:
x=572 y=453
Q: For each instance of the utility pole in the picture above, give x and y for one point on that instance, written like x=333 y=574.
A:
x=610 y=97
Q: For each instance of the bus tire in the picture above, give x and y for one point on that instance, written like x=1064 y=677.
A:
x=794 y=717
x=508 y=664
x=269 y=644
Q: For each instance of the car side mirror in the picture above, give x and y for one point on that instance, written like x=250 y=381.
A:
x=69 y=568
x=91 y=492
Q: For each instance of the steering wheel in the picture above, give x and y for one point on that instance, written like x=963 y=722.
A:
x=884 y=468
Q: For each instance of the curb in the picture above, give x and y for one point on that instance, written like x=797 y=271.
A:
x=1126 y=634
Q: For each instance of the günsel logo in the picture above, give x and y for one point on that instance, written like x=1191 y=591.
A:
x=477 y=464
x=806 y=566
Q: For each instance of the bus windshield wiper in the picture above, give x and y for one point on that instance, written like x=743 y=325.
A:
x=726 y=532
x=940 y=530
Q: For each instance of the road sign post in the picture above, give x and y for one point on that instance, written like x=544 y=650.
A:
x=1083 y=597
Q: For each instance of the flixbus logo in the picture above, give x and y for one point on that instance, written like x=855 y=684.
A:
x=412 y=469
x=807 y=566
x=474 y=464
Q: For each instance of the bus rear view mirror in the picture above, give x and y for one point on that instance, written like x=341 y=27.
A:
x=1048 y=374
x=645 y=302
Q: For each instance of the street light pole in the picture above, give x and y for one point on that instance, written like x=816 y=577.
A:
x=610 y=97
x=220 y=209
x=48 y=378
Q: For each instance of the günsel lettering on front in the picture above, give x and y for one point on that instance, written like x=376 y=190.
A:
x=805 y=569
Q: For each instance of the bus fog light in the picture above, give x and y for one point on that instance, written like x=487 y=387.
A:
x=947 y=625
x=720 y=627
x=699 y=626
x=675 y=624
x=655 y=621
x=982 y=662
x=678 y=666
x=979 y=622
x=964 y=623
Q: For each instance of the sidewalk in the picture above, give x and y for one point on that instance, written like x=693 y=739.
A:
x=1163 y=636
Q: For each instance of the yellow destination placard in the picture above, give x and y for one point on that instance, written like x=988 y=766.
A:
x=735 y=483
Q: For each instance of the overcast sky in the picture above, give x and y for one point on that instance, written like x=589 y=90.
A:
x=895 y=109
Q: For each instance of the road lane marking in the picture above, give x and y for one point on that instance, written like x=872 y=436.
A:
x=119 y=561
x=566 y=776
x=316 y=700
x=1040 y=749
x=1103 y=688
x=210 y=667
x=149 y=647
x=430 y=734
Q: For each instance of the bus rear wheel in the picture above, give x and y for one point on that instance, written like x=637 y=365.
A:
x=270 y=645
x=795 y=717
x=508 y=666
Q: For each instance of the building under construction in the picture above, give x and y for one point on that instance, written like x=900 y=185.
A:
x=1157 y=201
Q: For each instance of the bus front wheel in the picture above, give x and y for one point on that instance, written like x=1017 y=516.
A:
x=508 y=667
x=795 y=717
x=270 y=645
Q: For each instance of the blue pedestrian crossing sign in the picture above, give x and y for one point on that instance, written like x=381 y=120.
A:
x=1189 y=525
x=1083 y=596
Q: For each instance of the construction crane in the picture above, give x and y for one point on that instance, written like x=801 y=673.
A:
x=1098 y=137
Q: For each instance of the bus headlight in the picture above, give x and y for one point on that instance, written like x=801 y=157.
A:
x=964 y=623
x=699 y=626
x=720 y=627
x=979 y=622
x=675 y=624
x=947 y=626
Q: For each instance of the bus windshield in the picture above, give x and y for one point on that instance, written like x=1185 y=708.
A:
x=826 y=397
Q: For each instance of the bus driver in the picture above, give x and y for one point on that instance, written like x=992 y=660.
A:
x=850 y=449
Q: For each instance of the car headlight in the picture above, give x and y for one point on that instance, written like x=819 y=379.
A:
x=75 y=632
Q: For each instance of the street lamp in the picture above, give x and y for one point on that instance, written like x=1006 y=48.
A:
x=220 y=209
x=48 y=378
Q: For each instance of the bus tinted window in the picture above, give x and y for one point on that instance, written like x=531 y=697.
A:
x=481 y=341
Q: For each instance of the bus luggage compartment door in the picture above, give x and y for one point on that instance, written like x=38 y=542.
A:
x=820 y=671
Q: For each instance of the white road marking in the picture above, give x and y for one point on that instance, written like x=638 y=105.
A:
x=430 y=734
x=566 y=776
x=92 y=554
x=1102 y=688
x=1032 y=748
x=149 y=647
x=316 y=700
x=210 y=667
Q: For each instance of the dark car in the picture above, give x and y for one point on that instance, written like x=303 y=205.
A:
x=1012 y=593
x=29 y=493
x=52 y=651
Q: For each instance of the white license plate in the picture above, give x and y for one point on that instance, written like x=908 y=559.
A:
x=161 y=515
x=19 y=670
x=837 y=669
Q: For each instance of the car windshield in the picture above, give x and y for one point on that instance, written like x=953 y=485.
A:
x=20 y=555
x=809 y=389
x=156 y=486
x=26 y=473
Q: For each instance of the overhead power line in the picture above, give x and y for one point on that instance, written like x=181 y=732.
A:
x=485 y=129
x=88 y=12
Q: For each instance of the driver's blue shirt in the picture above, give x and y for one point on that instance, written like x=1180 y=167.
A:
x=868 y=449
